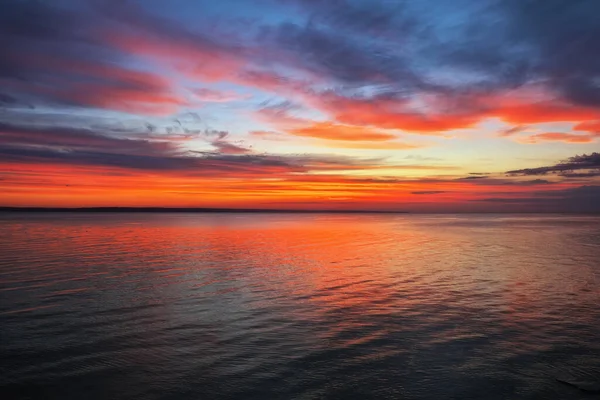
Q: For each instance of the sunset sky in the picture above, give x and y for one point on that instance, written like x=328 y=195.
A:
x=414 y=105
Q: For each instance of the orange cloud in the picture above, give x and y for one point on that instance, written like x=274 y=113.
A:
x=341 y=134
x=557 y=137
x=370 y=145
x=331 y=131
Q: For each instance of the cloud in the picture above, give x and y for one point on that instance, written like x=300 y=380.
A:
x=512 y=131
x=269 y=135
x=30 y=144
x=216 y=96
x=10 y=101
x=76 y=138
x=484 y=180
x=563 y=36
x=381 y=145
x=532 y=182
x=586 y=164
x=331 y=131
x=325 y=52
x=230 y=148
x=281 y=117
x=435 y=114
x=215 y=164
x=516 y=41
x=53 y=55
x=76 y=56
x=205 y=54
x=397 y=48
x=343 y=74
x=588 y=126
x=429 y=192
x=428 y=56
x=388 y=112
x=557 y=137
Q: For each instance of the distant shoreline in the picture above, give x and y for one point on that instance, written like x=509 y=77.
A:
x=209 y=210
x=189 y=210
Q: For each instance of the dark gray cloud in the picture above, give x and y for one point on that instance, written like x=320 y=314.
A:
x=564 y=35
x=577 y=166
x=590 y=174
x=199 y=164
x=326 y=52
x=449 y=48
x=485 y=179
x=10 y=101
x=219 y=140
x=230 y=148
x=32 y=30
x=530 y=182
x=148 y=150
x=55 y=54
x=77 y=138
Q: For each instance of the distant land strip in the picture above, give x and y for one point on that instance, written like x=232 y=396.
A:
x=189 y=210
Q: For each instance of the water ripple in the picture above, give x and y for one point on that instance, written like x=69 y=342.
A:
x=298 y=306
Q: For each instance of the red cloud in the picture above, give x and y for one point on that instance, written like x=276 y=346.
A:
x=588 y=126
x=123 y=99
x=116 y=73
x=390 y=113
x=542 y=112
x=203 y=60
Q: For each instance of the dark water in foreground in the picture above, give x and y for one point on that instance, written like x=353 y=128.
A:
x=256 y=306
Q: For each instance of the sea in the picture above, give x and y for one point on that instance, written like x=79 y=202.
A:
x=299 y=306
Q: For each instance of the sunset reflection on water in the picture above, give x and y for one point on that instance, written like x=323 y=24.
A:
x=297 y=306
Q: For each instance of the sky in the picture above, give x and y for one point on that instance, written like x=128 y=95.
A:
x=408 y=105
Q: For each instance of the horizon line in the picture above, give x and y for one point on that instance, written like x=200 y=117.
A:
x=123 y=209
x=193 y=209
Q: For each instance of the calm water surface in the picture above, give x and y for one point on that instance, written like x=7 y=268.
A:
x=265 y=306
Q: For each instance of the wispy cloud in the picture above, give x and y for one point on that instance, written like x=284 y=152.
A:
x=588 y=164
